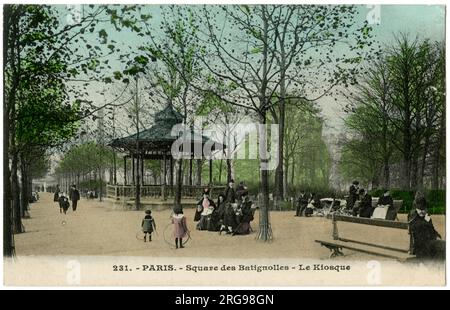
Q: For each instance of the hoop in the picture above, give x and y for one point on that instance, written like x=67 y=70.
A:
x=170 y=243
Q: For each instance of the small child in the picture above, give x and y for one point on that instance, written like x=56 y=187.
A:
x=180 y=229
x=63 y=203
x=148 y=225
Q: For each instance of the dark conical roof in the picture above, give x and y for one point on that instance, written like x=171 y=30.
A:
x=159 y=136
x=168 y=115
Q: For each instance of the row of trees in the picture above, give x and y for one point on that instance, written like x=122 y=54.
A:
x=260 y=59
x=47 y=65
x=306 y=157
x=84 y=162
x=397 y=118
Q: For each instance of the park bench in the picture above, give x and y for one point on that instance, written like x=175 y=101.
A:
x=337 y=243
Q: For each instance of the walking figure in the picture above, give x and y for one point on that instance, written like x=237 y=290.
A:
x=74 y=196
x=180 y=229
x=148 y=225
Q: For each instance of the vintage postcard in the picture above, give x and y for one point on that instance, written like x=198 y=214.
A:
x=231 y=145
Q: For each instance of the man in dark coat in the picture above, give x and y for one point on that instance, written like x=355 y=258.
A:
x=56 y=195
x=241 y=190
x=365 y=205
x=424 y=243
x=302 y=203
x=357 y=203
x=230 y=193
x=352 y=195
x=74 y=197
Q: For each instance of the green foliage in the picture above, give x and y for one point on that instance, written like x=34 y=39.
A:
x=435 y=199
x=396 y=116
x=39 y=164
x=91 y=185
x=85 y=158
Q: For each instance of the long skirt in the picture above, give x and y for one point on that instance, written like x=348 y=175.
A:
x=243 y=228
x=203 y=223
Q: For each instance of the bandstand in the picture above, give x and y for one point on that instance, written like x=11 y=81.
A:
x=155 y=143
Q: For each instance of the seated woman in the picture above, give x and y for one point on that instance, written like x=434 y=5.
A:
x=314 y=202
x=230 y=221
x=385 y=204
x=365 y=206
x=216 y=218
x=205 y=208
x=246 y=216
x=424 y=237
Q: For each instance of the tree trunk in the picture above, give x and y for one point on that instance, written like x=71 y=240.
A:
x=17 y=213
x=414 y=172
x=220 y=171
x=101 y=172
x=386 y=174
x=199 y=172
x=8 y=238
x=230 y=174
x=437 y=154
x=420 y=180
x=190 y=171
x=279 y=173
x=265 y=231
x=285 y=179
x=179 y=182
x=293 y=172
x=25 y=186
x=114 y=168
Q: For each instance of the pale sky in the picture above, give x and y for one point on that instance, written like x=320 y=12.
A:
x=424 y=21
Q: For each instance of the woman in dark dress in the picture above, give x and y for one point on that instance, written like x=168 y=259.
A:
x=205 y=207
x=424 y=237
x=230 y=218
x=216 y=221
x=246 y=216
x=365 y=206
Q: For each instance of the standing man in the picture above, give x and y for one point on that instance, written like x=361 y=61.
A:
x=230 y=193
x=75 y=196
x=241 y=190
x=302 y=203
x=352 y=195
x=56 y=195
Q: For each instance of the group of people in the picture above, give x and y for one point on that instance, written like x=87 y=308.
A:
x=424 y=241
x=231 y=214
x=384 y=207
x=63 y=199
x=306 y=204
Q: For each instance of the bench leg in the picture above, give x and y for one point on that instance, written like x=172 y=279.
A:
x=335 y=250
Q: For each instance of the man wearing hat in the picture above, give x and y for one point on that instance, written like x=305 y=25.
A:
x=424 y=243
x=230 y=193
x=353 y=195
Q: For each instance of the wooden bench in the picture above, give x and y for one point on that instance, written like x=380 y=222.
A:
x=336 y=244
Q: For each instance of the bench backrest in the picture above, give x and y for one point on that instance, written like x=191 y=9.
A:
x=368 y=221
